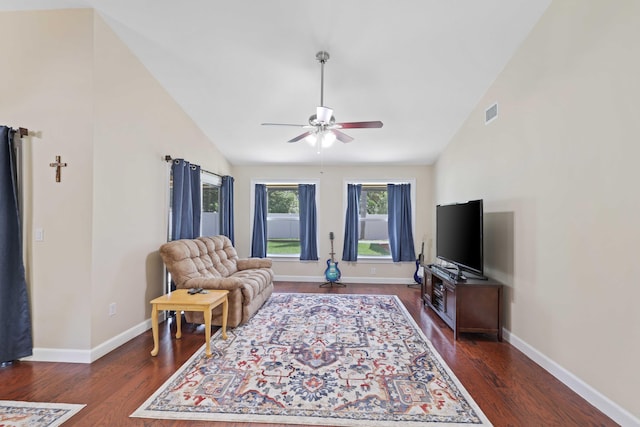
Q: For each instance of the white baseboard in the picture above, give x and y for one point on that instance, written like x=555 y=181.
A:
x=591 y=395
x=65 y=355
x=346 y=280
x=118 y=340
x=88 y=356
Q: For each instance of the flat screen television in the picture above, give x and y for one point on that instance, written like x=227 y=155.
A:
x=459 y=235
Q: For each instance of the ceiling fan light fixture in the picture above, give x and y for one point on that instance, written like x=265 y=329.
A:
x=311 y=139
x=327 y=138
x=324 y=114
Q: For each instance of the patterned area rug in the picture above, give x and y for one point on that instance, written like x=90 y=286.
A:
x=35 y=414
x=318 y=359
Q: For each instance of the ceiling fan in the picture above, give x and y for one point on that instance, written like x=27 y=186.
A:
x=322 y=124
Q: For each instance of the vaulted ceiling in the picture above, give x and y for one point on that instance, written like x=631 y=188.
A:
x=419 y=66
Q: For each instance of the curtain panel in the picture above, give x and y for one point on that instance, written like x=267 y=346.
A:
x=186 y=200
x=308 y=226
x=259 y=240
x=15 y=314
x=226 y=208
x=350 y=246
x=400 y=224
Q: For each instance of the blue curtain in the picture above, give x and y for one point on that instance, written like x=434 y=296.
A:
x=195 y=176
x=226 y=210
x=15 y=318
x=400 y=228
x=186 y=200
x=350 y=247
x=259 y=241
x=308 y=227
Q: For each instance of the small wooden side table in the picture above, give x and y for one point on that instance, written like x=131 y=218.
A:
x=180 y=300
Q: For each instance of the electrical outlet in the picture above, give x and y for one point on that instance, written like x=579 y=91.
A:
x=112 y=309
x=373 y=270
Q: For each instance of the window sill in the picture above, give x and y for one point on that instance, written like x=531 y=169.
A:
x=375 y=260
x=284 y=257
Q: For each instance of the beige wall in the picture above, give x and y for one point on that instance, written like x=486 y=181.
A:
x=558 y=171
x=47 y=87
x=331 y=181
x=136 y=124
x=86 y=97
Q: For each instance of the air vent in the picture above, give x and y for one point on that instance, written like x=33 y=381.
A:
x=491 y=113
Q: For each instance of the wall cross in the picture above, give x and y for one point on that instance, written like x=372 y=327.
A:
x=58 y=165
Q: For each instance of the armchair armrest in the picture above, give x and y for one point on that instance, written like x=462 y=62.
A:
x=247 y=263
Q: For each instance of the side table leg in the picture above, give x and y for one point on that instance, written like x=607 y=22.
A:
x=178 y=324
x=154 y=328
x=207 y=330
x=225 y=313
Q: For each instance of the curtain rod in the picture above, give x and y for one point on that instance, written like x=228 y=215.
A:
x=168 y=159
x=22 y=132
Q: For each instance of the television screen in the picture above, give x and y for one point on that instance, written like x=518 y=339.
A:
x=459 y=235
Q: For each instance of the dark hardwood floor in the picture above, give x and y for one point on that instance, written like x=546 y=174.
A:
x=509 y=388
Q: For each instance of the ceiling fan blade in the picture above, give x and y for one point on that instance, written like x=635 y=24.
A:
x=341 y=136
x=354 y=125
x=282 y=124
x=299 y=137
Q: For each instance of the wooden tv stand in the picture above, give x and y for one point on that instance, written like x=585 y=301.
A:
x=465 y=305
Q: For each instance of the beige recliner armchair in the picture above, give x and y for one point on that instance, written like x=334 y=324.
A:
x=212 y=263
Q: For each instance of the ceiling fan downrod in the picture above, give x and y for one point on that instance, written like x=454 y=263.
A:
x=323 y=57
x=324 y=115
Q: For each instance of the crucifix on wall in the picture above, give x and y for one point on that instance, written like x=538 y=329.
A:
x=58 y=165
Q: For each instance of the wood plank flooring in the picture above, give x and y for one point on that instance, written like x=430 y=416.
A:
x=509 y=388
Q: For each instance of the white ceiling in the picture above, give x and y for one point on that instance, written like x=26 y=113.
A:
x=419 y=66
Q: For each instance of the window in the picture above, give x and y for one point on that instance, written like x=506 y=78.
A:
x=283 y=220
x=367 y=224
x=373 y=231
x=280 y=219
x=210 y=190
x=210 y=196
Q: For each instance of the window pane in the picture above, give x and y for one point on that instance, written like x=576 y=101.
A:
x=282 y=200
x=373 y=237
x=210 y=221
x=210 y=197
x=283 y=221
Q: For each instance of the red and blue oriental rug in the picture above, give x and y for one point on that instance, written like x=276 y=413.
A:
x=318 y=359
